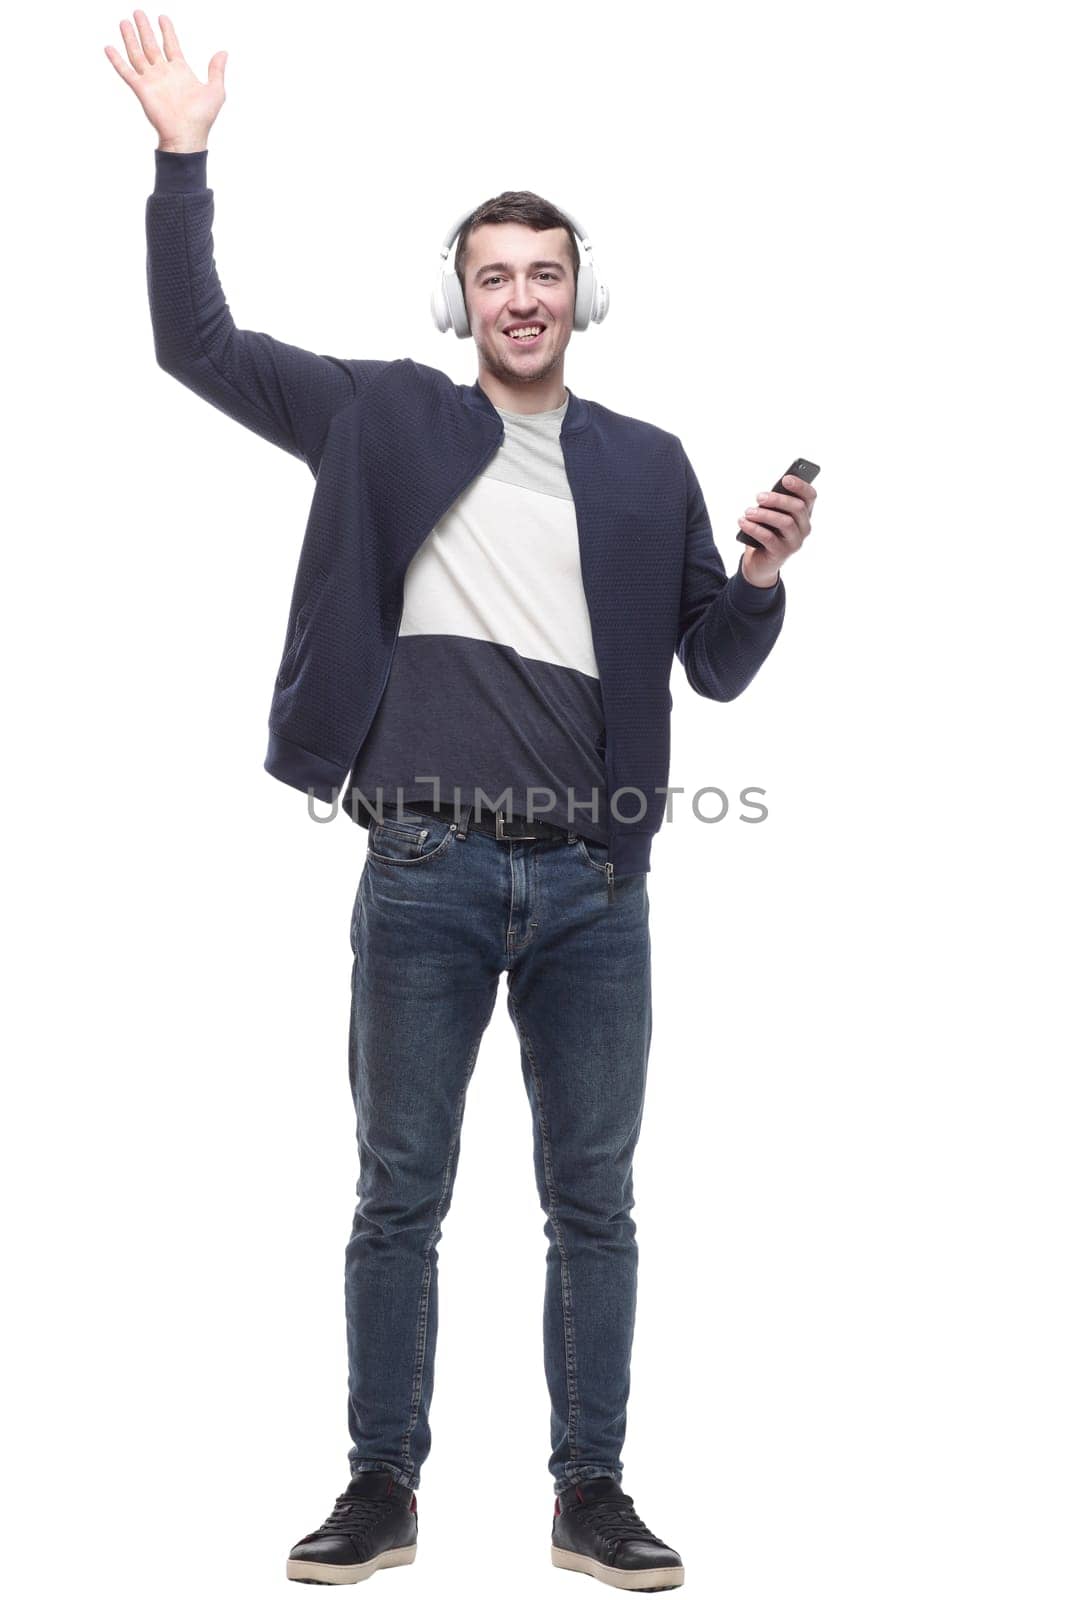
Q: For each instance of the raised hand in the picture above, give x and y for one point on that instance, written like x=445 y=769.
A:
x=180 y=108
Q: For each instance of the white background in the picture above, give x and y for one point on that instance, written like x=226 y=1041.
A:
x=826 y=231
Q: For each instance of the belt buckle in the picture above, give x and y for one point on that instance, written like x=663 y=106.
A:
x=500 y=824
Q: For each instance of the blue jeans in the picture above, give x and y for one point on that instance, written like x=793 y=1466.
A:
x=440 y=912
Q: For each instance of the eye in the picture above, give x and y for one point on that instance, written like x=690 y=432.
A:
x=496 y=277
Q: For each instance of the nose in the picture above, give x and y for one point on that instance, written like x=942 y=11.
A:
x=523 y=296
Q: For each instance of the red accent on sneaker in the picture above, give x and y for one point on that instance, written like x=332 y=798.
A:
x=579 y=1493
x=556 y=1512
x=412 y=1506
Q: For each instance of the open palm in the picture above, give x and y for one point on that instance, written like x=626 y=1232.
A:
x=176 y=103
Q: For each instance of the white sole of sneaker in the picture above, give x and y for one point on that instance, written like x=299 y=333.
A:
x=321 y=1572
x=649 y=1578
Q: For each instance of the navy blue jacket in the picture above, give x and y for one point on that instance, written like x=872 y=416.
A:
x=391 y=444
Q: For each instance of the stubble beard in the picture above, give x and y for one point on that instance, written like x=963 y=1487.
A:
x=522 y=371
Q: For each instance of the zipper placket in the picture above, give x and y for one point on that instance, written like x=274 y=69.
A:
x=608 y=764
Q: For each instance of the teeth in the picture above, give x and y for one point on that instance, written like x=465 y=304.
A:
x=526 y=333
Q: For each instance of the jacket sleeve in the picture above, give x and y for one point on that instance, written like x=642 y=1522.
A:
x=286 y=395
x=726 y=626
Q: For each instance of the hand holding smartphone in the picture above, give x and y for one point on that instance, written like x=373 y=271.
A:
x=800 y=469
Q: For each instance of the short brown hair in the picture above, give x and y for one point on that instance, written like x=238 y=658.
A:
x=514 y=205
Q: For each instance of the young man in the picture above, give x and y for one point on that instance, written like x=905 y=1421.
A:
x=494 y=581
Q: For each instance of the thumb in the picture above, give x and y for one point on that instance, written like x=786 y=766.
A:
x=216 y=68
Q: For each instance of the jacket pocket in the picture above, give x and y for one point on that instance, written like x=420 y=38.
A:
x=299 y=627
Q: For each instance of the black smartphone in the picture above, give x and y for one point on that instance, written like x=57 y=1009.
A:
x=800 y=469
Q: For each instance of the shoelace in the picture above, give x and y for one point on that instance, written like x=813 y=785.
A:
x=616 y=1519
x=353 y=1514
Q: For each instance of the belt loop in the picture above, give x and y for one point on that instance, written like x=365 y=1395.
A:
x=571 y=836
x=464 y=821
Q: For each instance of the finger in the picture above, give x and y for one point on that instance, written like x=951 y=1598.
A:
x=801 y=486
x=775 y=521
x=148 y=38
x=784 y=541
x=171 y=46
x=124 y=72
x=753 y=529
x=133 y=46
x=799 y=513
x=782 y=502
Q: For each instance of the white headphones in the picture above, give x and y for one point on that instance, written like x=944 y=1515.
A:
x=446 y=301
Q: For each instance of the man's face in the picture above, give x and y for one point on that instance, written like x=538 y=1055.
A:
x=517 y=275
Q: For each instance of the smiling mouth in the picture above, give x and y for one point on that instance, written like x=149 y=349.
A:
x=524 y=337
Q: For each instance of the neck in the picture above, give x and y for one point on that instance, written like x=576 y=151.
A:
x=544 y=394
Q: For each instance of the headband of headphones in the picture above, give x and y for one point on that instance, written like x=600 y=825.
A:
x=446 y=301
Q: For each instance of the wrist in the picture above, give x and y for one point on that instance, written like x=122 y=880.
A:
x=758 y=580
x=182 y=147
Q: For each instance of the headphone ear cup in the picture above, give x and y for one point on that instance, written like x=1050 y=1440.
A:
x=453 y=294
x=584 y=295
x=446 y=306
x=438 y=308
x=601 y=302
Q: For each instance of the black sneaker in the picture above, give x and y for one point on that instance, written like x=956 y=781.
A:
x=373 y=1524
x=596 y=1530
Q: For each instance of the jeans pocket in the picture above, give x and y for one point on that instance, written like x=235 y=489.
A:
x=405 y=841
x=593 y=854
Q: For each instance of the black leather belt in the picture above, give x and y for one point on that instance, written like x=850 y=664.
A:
x=494 y=823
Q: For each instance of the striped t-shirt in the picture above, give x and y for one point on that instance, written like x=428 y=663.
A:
x=494 y=682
